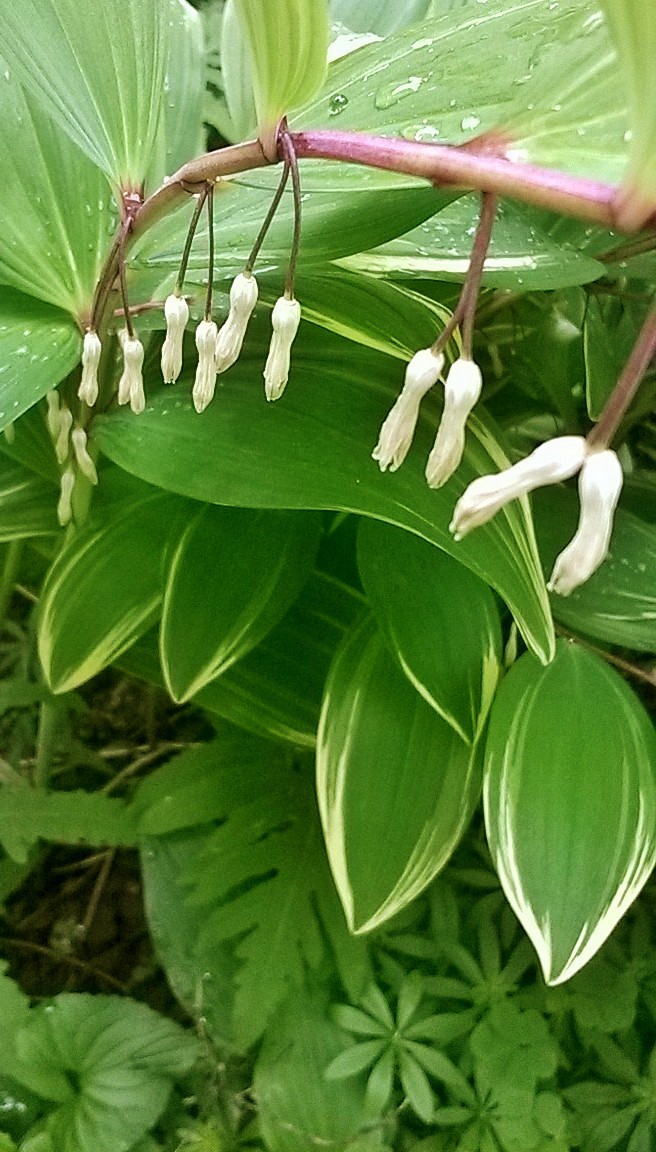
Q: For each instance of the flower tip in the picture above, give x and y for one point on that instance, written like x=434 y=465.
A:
x=130 y=386
x=600 y=484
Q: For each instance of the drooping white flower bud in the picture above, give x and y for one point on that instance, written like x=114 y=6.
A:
x=551 y=462
x=65 y=504
x=285 y=319
x=62 y=442
x=600 y=484
x=462 y=389
x=84 y=461
x=396 y=434
x=205 y=381
x=53 y=418
x=243 y=298
x=91 y=350
x=130 y=386
x=176 y=311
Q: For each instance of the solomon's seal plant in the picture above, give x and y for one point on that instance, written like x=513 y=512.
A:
x=411 y=604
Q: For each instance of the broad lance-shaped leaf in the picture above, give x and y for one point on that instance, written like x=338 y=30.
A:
x=39 y=345
x=396 y=786
x=570 y=802
x=56 y=206
x=288 y=46
x=98 y=70
x=440 y=621
x=232 y=577
x=313 y=450
x=105 y=587
x=27 y=504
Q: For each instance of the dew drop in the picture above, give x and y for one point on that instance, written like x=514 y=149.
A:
x=337 y=104
x=422 y=133
x=468 y=123
x=390 y=94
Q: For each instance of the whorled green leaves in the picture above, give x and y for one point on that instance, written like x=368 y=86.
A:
x=313 y=450
x=570 y=802
x=396 y=785
x=98 y=70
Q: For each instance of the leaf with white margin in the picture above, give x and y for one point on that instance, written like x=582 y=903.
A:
x=396 y=786
x=570 y=802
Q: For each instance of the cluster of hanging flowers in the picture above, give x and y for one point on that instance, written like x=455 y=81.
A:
x=599 y=469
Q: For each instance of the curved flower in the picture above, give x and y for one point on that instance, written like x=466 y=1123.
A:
x=600 y=484
x=397 y=430
x=243 y=298
x=176 y=311
x=83 y=459
x=91 y=352
x=462 y=389
x=205 y=382
x=556 y=460
x=285 y=319
x=130 y=386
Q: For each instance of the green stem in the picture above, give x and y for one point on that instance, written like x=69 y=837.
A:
x=45 y=742
x=8 y=576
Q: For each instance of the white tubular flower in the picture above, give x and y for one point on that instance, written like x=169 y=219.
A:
x=91 y=350
x=462 y=389
x=62 y=441
x=396 y=434
x=84 y=461
x=600 y=484
x=176 y=311
x=551 y=462
x=64 y=504
x=243 y=298
x=53 y=419
x=285 y=319
x=130 y=386
x=205 y=381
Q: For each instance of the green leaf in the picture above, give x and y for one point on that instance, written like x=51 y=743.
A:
x=236 y=75
x=334 y=225
x=633 y=25
x=27 y=504
x=14 y=1009
x=513 y=1048
x=288 y=47
x=122 y=1057
x=276 y=690
x=181 y=127
x=96 y=600
x=28 y=815
x=439 y=620
x=53 y=241
x=523 y=251
x=98 y=71
x=379 y=16
x=416 y=1085
x=259 y=882
x=570 y=802
x=39 y=345
x=250 y=566
x=547 y=79
x=396 y=785
x=609 y=333
x=618 y=603
x=354 y=1059
x=337 y=398
x=298 y=1108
